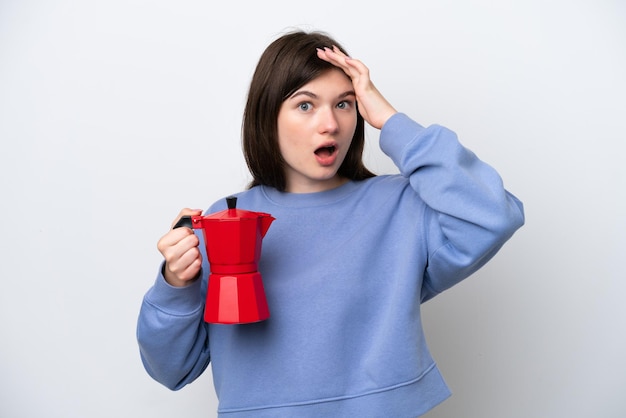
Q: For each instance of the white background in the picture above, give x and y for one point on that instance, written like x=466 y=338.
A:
x=115 y=114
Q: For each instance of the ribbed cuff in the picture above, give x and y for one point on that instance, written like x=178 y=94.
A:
x=393 y=135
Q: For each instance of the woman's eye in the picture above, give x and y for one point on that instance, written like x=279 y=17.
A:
x=304 y=106
x=343 y=105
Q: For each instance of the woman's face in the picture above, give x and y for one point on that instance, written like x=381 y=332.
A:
x=315 y=127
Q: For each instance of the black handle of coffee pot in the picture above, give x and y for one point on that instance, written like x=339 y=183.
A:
x=183 y=221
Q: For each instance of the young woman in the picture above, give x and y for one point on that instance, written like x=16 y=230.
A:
x=349 y=259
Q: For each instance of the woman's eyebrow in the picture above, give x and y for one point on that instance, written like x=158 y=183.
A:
x=347 y=93
x=314 y=96
x=303 y=93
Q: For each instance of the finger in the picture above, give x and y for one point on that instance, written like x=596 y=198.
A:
x=186 y=267
x=353 y=64
x=174 y=236
x=189 y=263
x=323 y=55
x=178 y=258
x=354 y=68
x=177 y=241
x=191 y=272
x=328 y=55
x=188 y=242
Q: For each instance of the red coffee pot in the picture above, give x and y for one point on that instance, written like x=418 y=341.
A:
x=233 y=237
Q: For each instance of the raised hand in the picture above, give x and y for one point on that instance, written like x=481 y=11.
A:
x=374 y=108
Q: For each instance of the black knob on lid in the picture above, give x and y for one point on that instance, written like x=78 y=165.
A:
x=231 y=202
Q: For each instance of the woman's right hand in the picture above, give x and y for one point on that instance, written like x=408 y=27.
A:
x=180 y=250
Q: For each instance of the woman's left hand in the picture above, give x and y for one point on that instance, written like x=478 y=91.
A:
x=374 y=108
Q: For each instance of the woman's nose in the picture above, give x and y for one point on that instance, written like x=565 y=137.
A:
x=328 y=121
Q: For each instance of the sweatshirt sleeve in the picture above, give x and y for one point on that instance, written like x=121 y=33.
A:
x=469 y=214
x=172 y=336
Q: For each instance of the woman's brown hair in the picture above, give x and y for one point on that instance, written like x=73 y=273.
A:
x=287 y=64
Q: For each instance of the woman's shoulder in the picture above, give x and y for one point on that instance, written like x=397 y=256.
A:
x=386 y=187
x=384 y=181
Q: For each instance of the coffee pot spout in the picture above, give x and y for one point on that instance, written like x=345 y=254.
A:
x=266 y=221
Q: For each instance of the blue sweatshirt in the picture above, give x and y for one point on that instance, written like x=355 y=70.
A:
x=345 y=272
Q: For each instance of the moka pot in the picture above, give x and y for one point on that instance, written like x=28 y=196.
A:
x=233 y=238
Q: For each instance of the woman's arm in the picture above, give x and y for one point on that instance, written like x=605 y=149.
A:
x=470 y=215
x=173 y=338
x=172 y=335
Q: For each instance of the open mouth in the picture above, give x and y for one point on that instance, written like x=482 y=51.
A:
x=325 y=151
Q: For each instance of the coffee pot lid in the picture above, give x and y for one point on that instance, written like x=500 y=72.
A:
x=232 y=213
